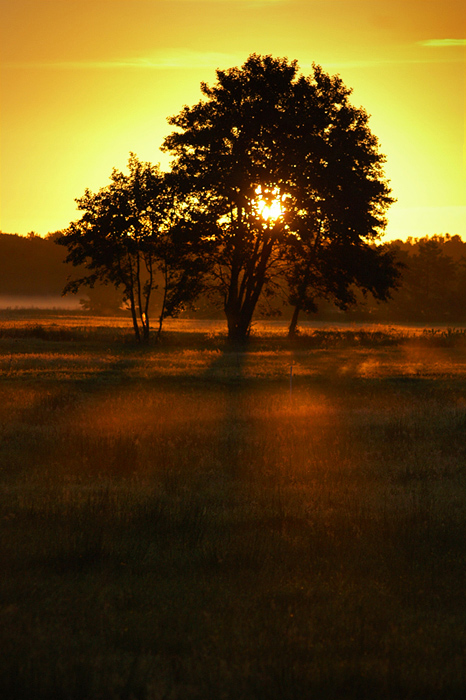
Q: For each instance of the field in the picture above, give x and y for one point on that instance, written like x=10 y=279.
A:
x=187 y=521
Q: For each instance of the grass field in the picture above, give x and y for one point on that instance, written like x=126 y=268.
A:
x=184 y=522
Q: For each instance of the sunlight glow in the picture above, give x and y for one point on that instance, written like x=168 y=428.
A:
x=269 y=203
x=52 y=58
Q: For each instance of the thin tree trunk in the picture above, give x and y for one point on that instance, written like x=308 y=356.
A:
x=299 y=304
x=147 y=297
x=164 y=301
x=142 y=315
x=294 y=321
x=135 y=318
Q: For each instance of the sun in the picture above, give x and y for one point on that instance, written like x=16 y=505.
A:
x=269 y=203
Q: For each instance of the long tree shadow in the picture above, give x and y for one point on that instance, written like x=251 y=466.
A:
x=63 y=423
x=42 y=427
x=227 y=376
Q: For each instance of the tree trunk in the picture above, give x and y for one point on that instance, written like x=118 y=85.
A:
x=143 y=302
x=145 y=328
x=294 y=321
x=239 y=313
x=135 y=320
x=239 y=325
x=164 y=300
x=129 y=288
x=302 y=289
x=243 y=297
x=147 y=296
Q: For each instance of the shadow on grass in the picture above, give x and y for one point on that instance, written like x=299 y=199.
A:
x=175 y=539
x=227 y=372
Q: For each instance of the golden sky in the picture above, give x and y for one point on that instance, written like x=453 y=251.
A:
x=84 y=82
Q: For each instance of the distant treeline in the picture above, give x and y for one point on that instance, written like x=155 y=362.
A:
x=433 y=287
x=32 y=266
x=433 y=284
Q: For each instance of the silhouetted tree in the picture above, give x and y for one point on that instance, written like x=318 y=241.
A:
x=342 y=274
x=265 y=136
x=431 y=280
x=30 y=266
x=125 y=236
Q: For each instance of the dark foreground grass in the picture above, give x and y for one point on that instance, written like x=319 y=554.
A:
x=176 y=525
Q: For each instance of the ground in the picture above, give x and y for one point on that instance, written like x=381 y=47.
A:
x=191 y=520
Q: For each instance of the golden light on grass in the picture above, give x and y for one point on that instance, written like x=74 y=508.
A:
x=212 y=477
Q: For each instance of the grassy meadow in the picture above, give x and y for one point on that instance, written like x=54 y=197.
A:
x=183 y=522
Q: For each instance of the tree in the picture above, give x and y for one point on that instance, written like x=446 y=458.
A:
x=30 y=266
x=345 y=196
x=336 y=273
x=101 y=300
x=432 y=280
x=125 y=238
x=290 y=178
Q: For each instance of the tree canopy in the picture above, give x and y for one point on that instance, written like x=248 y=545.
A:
x=290 y=180
x=128 y=231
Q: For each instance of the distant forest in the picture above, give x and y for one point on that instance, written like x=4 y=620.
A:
x=32 y=266
x=433 y=287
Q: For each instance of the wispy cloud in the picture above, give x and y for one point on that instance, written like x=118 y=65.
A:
x=185 y=59
x=378 y=63
x=248 y=2
x=441 y=43
x=175 y=59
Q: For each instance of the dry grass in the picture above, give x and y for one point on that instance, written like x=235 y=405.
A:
x=176 y=525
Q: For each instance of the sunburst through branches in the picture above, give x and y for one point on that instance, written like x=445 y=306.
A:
x=269 y=203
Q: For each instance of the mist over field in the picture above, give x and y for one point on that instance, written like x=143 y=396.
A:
x=38 y=302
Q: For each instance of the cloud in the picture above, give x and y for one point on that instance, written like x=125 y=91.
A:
x=166 y=60
x=184 y=59
x=248 y=2
x=377 y=63
x=443 y=42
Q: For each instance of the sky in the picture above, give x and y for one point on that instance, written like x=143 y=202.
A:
x=84 y=82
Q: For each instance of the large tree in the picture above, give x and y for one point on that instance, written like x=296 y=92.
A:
x=131 y=236
x=291 y=179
